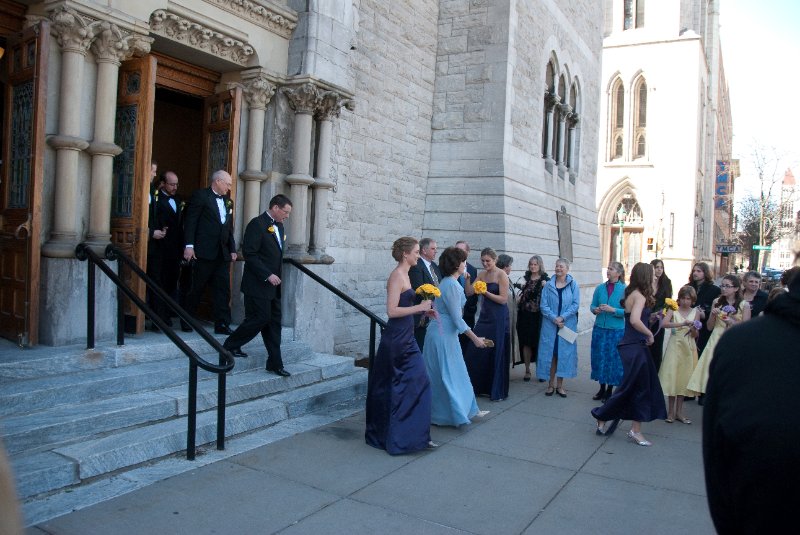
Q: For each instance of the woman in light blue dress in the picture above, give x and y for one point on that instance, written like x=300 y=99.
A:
x=453 y=400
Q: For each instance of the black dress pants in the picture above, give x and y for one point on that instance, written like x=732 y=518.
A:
x=217 y=273
x=264 y=316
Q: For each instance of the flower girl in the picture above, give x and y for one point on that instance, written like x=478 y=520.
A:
x=680 y=357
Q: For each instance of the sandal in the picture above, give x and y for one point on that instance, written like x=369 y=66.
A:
x=550 y=390
x=527 y=377
x=683 y=420
x=561 y=392
x=669 y=419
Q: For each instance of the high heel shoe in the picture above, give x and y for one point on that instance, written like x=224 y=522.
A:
x=550 y=390
x=638 y=439
x=600 y=393
x=609 y=391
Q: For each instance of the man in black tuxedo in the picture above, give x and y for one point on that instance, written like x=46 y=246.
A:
x=165 y=246
x=262 y=246
x=425 y=272
x=208 y=232
x=471 y=306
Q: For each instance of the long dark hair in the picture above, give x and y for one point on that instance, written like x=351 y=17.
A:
x=706 y=274
x=737 y=299
x=663 y=284
x=641 y=279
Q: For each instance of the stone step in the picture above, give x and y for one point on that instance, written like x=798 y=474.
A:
x=16 y=363
x=73 y=463
x=65 y=423
x=24 y=396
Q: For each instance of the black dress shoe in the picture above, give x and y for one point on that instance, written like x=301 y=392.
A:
x=222 y=328
x=280 y=371
x=237 y=352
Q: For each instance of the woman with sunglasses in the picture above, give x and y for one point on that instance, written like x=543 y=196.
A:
x=729 y=309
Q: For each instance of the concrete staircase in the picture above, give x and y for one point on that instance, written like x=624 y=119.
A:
x=70 y=416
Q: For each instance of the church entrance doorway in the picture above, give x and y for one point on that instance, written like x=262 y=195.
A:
x=184 y=126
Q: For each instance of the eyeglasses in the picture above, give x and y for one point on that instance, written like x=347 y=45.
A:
x=727 y=286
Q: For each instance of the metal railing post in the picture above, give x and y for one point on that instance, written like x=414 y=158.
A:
x=192 y=416
x=90 y=292
x=372 y=325
x=120 y=308
x=221 y=380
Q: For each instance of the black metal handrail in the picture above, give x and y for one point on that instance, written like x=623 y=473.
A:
x=226 y=362
x=374 y=320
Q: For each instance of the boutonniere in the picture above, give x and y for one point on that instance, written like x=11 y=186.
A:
x=229 y=205
x=183 y=205
x=271 y=229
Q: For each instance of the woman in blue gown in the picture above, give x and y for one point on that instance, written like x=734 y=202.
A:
x=398 y=390
x=489 y=367
x=453 y=400
x=639 y=397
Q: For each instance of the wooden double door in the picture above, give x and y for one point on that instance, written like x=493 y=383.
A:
x=23 y=94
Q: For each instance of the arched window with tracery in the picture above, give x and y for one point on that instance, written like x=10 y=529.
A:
x=640 y=117
x=627 y=228
x=572 y=129
x=558 y=116
x=617 y=115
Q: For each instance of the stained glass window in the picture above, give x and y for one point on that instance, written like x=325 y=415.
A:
x=124 y=168
x=21 y=144
x=218 y=152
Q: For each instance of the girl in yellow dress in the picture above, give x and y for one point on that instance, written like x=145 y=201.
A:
x=729 y=309
x=680 y=357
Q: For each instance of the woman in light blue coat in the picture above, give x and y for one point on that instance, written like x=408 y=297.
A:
x=558 y=358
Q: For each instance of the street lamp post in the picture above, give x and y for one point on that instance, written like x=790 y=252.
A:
x=621 y=213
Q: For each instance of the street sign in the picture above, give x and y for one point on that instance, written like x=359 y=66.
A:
x=762 y=247
x=729 y=248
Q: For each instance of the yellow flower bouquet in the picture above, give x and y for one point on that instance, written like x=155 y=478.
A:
x=428 y=292
x=670 y=304
x=479 y=287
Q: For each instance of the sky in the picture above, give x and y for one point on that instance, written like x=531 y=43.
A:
x=761 y=57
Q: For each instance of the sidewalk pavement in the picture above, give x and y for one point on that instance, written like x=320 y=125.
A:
x=533 y=465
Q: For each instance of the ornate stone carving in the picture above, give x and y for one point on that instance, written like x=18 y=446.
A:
x=304 y=98
x=551 y=100
x=565 y=110
x=258 y=91
x=113 y=45
x=73 y=31
x=268 y=17
x=573 y=119
x=331 y=104
x=195 y=35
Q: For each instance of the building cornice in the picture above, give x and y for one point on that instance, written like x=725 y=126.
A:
x=276 y=19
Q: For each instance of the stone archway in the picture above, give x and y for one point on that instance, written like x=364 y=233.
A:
x=625 y=232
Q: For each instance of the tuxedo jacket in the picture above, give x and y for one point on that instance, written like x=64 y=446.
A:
x=203 y=228
x=262 y=257
x=419 y=275
x=162 y=215
x=471 y=306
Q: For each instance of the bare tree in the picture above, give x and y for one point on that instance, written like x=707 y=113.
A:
x=760 y=220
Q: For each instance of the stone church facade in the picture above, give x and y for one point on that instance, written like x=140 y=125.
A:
x=456 y=119
x=665 y=136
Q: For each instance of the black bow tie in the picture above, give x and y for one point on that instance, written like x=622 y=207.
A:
x=219 y=196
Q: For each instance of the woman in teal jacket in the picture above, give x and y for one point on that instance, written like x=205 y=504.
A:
x=609 y=326
x=557 y=358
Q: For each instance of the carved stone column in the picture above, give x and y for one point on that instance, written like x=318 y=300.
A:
x=329 y=108
x=74 y=35
x=564 y=110
x=111 y=47
x=303 y=99
x=551 y=101
x=572 y=123
x=257 y=91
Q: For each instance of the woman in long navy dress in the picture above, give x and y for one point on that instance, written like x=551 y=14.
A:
x=489 y=367
x=639 y=397
x=398 y=390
